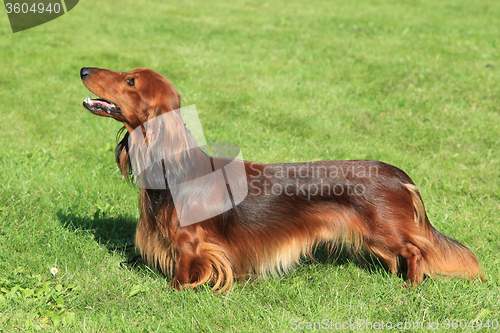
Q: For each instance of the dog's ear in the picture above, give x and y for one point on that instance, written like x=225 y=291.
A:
x=174 y=100
x=169 y=100
x=167 y=138
x=158 y=96
x=158 y=151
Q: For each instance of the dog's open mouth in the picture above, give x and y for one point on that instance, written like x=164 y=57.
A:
x=96 y=105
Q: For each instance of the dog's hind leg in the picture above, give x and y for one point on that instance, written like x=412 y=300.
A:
x=415 y=262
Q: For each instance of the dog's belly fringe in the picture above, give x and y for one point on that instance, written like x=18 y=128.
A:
x=332 y=229
x=267 y=253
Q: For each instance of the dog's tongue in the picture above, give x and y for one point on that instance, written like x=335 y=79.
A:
x=102 y=102
x=99 y=101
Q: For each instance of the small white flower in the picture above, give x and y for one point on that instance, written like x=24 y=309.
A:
x=54 y=271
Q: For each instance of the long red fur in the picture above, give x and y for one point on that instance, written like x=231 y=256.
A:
x=269 y=232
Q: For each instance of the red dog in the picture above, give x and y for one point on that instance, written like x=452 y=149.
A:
x=289 y=210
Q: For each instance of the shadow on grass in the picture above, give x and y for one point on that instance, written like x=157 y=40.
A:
x=343 y=257
x=116 y=234
x=111 y=232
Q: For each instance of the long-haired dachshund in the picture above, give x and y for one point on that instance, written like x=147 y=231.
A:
x=289 y=210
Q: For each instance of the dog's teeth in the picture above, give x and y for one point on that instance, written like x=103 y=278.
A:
x=107 y=111
x=113 y=105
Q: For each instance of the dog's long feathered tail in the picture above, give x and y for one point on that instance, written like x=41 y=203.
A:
x=443 y=256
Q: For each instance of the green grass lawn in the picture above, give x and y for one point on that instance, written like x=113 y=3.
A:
x=412 y=83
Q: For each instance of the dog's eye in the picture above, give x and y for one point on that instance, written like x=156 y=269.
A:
x=131 y=82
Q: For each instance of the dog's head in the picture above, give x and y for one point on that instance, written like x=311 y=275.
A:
x=130 y=97
x=133 y=98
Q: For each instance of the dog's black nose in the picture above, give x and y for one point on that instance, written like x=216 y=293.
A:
x=85 y=72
